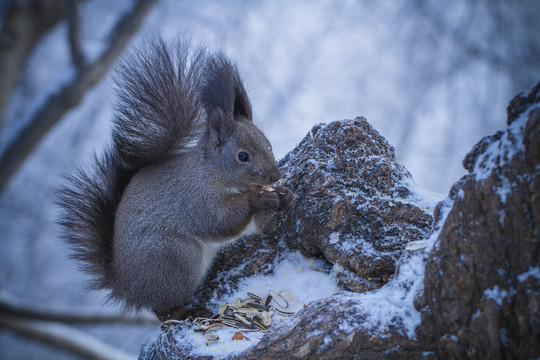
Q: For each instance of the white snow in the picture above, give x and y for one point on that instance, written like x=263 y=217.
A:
x=497 y=294
x=498 y=151
x=533 y=271
x=423 y=198
x=295 y=274
x=394 y=301
x=334 y=238
x=504 y=189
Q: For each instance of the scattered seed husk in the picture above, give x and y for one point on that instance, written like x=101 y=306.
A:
x=257 y=306
x=205 y=321
x=239 y=325
x=259 y=324
x=288 y=297
x=326 y=271
x=211 y=337
x=266 y=318
x=222 y=309
x=278 y=299
x=213 y=327
x=284 y=313
x=250 y=314
x=254 y=296
x=242 y=319
x=267 y=300
x=173 y=321
x=416 y=245
x=170 y=322
x=236 y=302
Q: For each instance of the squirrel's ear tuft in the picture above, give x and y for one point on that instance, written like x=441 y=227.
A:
x=242 y=107
x=223 y=88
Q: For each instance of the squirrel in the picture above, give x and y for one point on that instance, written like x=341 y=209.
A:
x=187 y=173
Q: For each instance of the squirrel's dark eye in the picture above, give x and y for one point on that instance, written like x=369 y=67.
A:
x=243 y=156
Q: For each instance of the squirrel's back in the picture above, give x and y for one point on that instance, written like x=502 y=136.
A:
x=158 y=112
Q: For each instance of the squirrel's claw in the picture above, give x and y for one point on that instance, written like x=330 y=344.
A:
x=286 y=198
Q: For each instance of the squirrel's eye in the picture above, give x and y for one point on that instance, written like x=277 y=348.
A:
x=243 y=156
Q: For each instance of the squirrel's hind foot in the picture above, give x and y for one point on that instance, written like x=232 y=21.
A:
x=182 y=313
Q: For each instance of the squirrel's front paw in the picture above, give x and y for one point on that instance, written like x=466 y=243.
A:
x=266 y=199
x=286 y=198
x=269 y=198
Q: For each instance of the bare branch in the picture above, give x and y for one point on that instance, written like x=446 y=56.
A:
x=15 y=307
x=72 y=16
x=22 y=25
x=70 y=94
x=66 y=337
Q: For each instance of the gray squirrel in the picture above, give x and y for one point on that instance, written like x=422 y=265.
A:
x=187 y=173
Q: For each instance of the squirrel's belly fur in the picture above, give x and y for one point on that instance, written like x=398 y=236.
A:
x=184 y=176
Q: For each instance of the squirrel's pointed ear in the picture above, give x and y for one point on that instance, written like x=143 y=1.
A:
x=241 y=106
x=222 y=88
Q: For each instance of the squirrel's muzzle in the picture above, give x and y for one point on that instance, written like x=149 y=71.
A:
x=274 y=175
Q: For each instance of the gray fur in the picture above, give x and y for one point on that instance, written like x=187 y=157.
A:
x=172 y=190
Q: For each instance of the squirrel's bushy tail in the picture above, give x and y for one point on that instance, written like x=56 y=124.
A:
x=89 y=202
x=158 y=112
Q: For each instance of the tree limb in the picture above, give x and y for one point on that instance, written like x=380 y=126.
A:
x=12 y=306
x=72 y=16
x=66 y=337
x=70 y=94
x=22 y=25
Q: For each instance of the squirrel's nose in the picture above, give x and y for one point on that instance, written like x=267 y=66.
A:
x=274 y=175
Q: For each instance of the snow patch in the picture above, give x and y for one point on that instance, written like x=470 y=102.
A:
x=294 y=274
x=497 y=294
x=334 y=238
x=394 y=301
x=421 y=197
x=533 y=271
x=503 y=150
x=504 y=189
